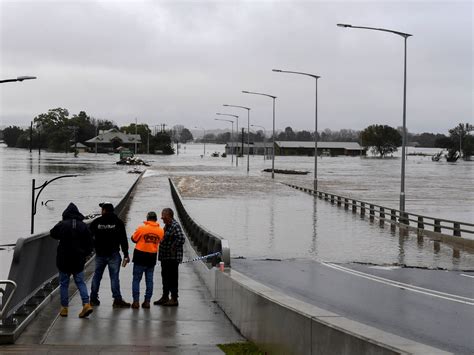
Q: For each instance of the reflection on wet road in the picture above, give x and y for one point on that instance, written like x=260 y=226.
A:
x=263 y=219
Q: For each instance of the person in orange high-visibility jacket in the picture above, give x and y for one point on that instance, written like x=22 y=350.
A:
x=147 y=239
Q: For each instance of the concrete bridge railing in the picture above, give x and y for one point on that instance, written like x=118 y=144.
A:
x=33 y=277
x=443 y=229
x=205 y=241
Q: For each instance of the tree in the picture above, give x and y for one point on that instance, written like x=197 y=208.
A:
x=458 y=135
x=303 y=136
x=11 y=135
x=382 y=139
x=161 y=142
x=185 y=135
x=468 y=146
x=53 y=127
x=143 y=131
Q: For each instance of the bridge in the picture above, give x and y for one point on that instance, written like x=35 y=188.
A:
x=286 y=306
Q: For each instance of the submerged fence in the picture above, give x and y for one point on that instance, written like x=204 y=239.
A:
x=206 y=242
x=394 y=216
x=33 y=277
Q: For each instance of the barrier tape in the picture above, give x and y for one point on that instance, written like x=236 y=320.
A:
x=202 y=257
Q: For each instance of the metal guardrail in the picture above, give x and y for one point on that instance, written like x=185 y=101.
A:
x=392 y=215
x=34 y=273
x=205 y=241
x=5 y=303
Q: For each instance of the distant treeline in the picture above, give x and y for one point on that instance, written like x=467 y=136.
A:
x=56 y=131
x=426 y=140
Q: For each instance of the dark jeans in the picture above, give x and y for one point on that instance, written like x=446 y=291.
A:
x=64 y=287
x=138 y=271
x=169 y=277
x=101 y=262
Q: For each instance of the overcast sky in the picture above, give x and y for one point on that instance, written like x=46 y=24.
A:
x=178 y=62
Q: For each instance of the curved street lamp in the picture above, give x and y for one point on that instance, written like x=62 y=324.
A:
x=203 y=138
x=34 y=201
x=264 y=140
x=316 y=77
x=221 y=119
x=273 y=137
x=248 y=130
x=236 y=129
x=18 y=78
x=405 y=36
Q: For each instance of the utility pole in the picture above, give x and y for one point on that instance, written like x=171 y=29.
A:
x=136 y=123
x=242 y=141
x=31 y=136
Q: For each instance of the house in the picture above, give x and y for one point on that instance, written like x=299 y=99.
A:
x=112 y=139
x=324 y=148
x=81 y=148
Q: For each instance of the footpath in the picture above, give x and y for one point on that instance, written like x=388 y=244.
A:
x=195 y=327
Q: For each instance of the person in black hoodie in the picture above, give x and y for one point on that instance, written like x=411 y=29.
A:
x=75 y=244
x=109 y=236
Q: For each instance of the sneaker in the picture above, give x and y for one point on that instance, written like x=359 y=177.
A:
x=173 y=302
x=161 y=301
x=95 y=302
x=135 y=305
x=120 y=303
x=146 y=304
x=63 y=312
x=86 y=310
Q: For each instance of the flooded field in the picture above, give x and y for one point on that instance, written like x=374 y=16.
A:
x=260 y=217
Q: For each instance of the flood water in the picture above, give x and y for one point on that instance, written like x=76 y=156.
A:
x=261 y=218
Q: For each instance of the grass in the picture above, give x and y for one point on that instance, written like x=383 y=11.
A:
x=247 y=348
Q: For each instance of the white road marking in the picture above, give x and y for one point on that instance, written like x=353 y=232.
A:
x=408 y=287
x=467 y=275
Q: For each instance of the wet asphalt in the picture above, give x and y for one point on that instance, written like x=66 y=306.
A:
x=437 y=309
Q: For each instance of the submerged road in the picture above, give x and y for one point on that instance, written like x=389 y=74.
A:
x=433 y=307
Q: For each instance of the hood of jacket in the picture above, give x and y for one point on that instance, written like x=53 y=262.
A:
x=72 y=212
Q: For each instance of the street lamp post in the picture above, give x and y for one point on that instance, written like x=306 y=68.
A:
x=19 y=78
x=34 y=200
x=273 y=138
x=404 y=134
x=203 y=138
x=316 y=77
x=232 y=134
x=237 y=130
x=264 y=138
x=248 y=130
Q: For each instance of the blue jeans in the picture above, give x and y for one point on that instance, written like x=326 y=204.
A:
x=138 y=271
x=64 y=287
x=113 y=262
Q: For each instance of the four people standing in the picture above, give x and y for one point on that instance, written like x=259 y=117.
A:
x=107 y=234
